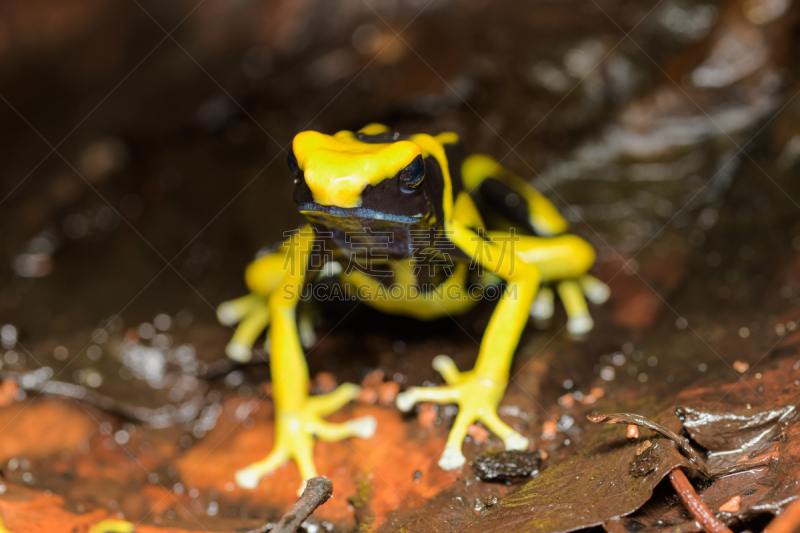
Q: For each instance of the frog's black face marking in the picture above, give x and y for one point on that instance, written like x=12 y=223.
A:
x=390 y=214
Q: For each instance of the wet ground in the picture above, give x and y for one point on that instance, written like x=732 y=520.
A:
x=143 y=169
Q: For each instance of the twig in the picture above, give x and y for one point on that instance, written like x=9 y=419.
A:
x=742 y=466
x=697 y=508
x=686 y=527
x=638 y=420
x=786 y=522
x=317 y=492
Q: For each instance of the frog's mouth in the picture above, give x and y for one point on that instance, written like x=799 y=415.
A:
x=354 y=217
x=362 y=230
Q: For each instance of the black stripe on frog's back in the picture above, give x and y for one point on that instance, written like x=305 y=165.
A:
x=505 y=201
x=455 y=156
x=434 y=187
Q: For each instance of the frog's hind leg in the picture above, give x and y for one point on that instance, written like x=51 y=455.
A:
x=511 y=196
x=563 y=262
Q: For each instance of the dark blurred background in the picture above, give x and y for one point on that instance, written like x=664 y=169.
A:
x=174 y=117
x=143 y=165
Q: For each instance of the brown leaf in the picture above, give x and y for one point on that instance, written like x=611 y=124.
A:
x=592 y=487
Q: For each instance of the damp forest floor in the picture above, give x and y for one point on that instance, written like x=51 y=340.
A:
x=143 y=169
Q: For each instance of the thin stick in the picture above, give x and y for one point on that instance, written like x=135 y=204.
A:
x=686 y=527
x=317 y=491
x=786 y=522
x=697 y=508
x=743 y=466
x=638 y=420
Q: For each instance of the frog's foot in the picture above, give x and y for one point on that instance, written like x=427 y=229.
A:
x=251 y=312
x=295 y=432
x=477 y=398
x=573 y=294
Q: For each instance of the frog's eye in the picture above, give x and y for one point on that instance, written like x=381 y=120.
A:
x=411 y=177
x=292 y=160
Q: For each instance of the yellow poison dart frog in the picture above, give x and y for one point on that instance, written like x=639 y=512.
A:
x=411 y=214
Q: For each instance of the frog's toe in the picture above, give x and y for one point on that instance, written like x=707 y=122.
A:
x=364 y=427
x=327 y=404
x=578 y=320
x=405 y=401
x=447 y=368
x=580 y=324
x=543 y=306
x=595 y=290
x=233 y=311
x=239 y=352
x=515 y=441
x=227 y=315
x=451 y=458
x=246 y=478
x=511 y=439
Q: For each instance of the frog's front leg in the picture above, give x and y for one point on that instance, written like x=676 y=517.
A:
x=478 y=392
x=299 y=418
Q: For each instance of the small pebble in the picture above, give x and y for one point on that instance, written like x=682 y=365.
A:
x=507 y=464
x=633 y=431
x=8 y=390
x=741 y=366
x=589 y=399
x=597 y=392
x=325 y=382
x=373 y=379
x=368 y=395
x=478 y=433
x=387 y=392
x=567 y=400
x=731 y=506
x=427 y=415
x=132 y=336
x=646 y=444
x=265 y=388
x=549 y=429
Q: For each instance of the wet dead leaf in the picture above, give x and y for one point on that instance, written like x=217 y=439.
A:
x=592 y=487
x=767 y=432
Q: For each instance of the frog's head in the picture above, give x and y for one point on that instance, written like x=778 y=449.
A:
x=359 y=185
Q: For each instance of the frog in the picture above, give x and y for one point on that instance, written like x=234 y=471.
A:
x=403 y=201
